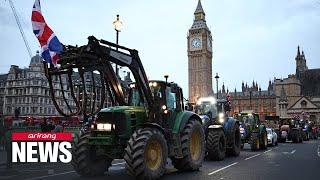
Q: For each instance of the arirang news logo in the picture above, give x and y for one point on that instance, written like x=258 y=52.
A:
x=41 y=147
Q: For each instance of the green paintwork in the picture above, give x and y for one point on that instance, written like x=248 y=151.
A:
x=181 y=117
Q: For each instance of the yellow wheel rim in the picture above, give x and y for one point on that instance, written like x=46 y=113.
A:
x=153 y=155
x=195 y=145
x=265 y=140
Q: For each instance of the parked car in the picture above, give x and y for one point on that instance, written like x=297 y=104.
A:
x=272 y=137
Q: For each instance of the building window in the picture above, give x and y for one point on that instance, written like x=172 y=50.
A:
x=303 y=104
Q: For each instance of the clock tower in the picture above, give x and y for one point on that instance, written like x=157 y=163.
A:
x=199 y=57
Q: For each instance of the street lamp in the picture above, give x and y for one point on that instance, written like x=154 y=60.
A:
x=217 y=78
x=166 y=76
x=117 y=26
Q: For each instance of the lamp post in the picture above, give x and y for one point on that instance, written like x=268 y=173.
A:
x=117 y=26
x=166 y=76
x=217 y=78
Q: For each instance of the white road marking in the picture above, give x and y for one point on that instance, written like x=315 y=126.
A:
x=218 y=170
x=293 y=151
x=252 y=156
x=319 y=150
x=116 y=164
x=58 y=174
x=267 y=151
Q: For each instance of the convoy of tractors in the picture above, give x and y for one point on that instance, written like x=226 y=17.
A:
x=149 y=121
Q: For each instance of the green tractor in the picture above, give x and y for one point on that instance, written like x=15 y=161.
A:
x=144 y=128
x=222 y=132
x=252 y=131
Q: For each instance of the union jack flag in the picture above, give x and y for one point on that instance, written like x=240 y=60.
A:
x=50 y=44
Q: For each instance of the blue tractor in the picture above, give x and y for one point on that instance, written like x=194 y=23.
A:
x=222 y=132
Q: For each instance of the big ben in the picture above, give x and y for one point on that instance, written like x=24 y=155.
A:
x=199 y=57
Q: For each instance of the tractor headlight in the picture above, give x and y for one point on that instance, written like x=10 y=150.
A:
x=221 y=118
x=104 y=126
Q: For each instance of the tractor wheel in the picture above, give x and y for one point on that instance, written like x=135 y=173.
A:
x=264 y=140
x=193 y=147
x=146 y=154
x=84 y=160
x=235 y=141
x=255 y=143
x=216 y=144
x=295 y=136
x=300 y=138
x=242 y=145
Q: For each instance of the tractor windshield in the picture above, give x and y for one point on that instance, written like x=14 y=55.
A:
x=203 y=108
x=134 y=98
x=247 y=119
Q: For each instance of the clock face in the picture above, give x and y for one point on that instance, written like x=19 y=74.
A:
x=196 y=43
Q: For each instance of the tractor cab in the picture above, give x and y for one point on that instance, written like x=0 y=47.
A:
x=211 y=109
x=168 y=98
x=249 y=119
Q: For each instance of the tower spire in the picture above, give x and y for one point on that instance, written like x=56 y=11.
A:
x=199 y=8
x=199 y=12
x=298 y=52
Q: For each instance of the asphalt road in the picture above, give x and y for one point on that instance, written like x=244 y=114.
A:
x=286 y=161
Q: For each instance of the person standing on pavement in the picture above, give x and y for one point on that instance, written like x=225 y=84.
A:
x=58 y=127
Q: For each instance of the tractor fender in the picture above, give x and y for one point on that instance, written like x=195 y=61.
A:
x=182 y=119
x=154 y=125
x=228 y=127
x=262 y=129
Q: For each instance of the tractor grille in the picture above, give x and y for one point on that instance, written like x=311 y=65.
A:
x=116 y=118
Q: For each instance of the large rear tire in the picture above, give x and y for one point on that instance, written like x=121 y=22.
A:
x=193 y=147
x=235 y=141
x=216 y=144
x=255 y=143
x=85 y=161
x=146 y=154
x=264 y=140
x=295 y=136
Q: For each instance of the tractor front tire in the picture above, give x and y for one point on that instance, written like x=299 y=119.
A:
x=216 y=144
x=255 y=143
x=146 y=154
x=235 y=141
x=193 y=147
x=84 y=160
x=295 y=136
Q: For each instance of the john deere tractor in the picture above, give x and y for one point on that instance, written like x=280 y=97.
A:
x=222 y=132
x=252 y=131
x=144 y=128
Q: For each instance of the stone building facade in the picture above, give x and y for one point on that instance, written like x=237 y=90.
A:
x=253 y=98
x=199 y=57
x=299 y=93
x=25 y=92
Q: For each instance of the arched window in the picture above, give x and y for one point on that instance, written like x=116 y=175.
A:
x=303 y=104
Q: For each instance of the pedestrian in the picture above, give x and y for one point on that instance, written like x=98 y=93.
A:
x=44 y=125
x=57 y=127
x=50 y=126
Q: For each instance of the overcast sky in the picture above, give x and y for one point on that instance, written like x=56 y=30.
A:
x=252 y=39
